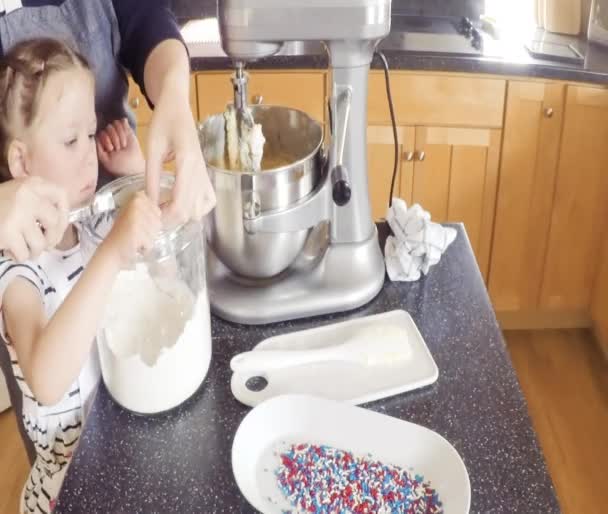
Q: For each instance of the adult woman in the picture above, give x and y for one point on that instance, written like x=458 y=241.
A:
x=113 y=35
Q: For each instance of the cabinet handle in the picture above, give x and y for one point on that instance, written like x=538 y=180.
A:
x=549 y=112
x=408 y=156
x=135 y=102
x=420 y=155
x=257 y=99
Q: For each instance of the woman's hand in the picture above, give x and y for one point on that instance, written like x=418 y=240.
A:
x=118 y=149
x=173 y=133
x=33 y=217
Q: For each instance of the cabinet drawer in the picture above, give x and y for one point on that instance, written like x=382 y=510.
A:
x=437 y=100
x=300 y=90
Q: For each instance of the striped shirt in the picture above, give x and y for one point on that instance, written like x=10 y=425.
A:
x=55 y=429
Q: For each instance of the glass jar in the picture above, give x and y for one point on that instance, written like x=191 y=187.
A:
x=154 y=340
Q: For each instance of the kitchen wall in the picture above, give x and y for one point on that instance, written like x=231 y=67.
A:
x=185 y=9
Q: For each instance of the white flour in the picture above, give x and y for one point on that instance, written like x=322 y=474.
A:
x=155 y=344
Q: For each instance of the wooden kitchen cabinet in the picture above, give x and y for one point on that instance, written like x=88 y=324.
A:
x=449 y=145
x=452 y=172
x=580 y=207
x=380 y=164
x=530 y=153
x=303 y=90
x=437 y=99
x=599 y=305
x=454 y=177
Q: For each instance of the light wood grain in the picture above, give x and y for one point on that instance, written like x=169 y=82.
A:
x=431 y=184
x=525 y=194
x=428 y=99
x=14 y=466
x=580 y=209
x=457 y=179
x=535 y=319
x=380 y=163
x=565 y=382
x=295 y=89
x=599 y=305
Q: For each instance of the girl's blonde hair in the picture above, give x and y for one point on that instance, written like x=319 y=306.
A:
x=24 y=71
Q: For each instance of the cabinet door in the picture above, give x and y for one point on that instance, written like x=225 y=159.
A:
x=599 y=306
x=300 y=90
x=380 y=164
x=580 y=208
x=525 y=194
x=455 y=175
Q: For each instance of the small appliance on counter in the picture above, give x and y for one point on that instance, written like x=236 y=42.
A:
x=597 y=30
x=548 y=51
x=561 y=16
x=297 y=239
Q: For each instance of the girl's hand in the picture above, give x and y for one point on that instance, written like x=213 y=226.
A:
x=118 y=149
x=135 y=230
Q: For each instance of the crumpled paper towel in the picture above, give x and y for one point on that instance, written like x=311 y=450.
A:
x=418 y=242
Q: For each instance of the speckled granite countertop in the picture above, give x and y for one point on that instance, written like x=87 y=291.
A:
x=180 y=462
x=505 y=56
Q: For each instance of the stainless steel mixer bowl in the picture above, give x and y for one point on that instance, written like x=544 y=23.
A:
x=295 y=136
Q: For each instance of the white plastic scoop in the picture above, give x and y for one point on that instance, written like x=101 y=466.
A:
x=369 y=346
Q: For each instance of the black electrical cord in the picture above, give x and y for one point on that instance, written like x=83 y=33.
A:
x=393 y=121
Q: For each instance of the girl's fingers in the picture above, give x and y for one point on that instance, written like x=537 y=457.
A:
x=123 y=135
x=114 y=137
x=35 y=240
x=104 y=138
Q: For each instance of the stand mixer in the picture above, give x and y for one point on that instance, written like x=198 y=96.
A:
x=339 y=265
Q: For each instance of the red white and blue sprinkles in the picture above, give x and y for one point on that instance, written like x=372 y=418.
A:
x=326 y=480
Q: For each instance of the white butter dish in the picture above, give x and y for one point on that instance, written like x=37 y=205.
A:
x=399 y=369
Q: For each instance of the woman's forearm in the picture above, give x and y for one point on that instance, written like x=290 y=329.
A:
x=168 y=69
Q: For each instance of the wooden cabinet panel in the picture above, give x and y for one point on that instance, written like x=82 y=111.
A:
x=299 y=90
x=599 y=305
x=456 y=180
x=380 y=162
x=525 y=194
x=580 y=208
x=437 y=100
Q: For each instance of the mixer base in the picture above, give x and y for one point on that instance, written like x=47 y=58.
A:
x=346 y=276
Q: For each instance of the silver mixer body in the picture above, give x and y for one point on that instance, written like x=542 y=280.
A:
x=340 y=265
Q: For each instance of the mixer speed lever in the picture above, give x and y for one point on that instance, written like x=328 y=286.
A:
x=340 y=190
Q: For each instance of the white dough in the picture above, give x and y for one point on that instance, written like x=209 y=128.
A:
x=245 y=152
x=155 y=344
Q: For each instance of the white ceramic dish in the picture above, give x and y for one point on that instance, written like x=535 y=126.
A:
x=342 y=380
x=277 y=423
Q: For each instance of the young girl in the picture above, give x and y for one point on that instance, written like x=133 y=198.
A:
x=51 y=306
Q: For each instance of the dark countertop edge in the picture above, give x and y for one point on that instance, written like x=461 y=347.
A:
x=420 y=62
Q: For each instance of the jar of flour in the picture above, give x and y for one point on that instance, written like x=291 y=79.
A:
x=155 y=338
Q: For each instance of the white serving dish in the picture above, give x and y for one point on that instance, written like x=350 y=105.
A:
x=337 y=380
x=274 y=425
